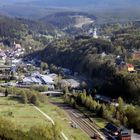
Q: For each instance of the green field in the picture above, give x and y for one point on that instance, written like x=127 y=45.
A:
x=27 y=116
x=24 y=115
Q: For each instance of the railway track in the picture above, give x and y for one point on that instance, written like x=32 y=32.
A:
x=82 y=122
x=83 y=125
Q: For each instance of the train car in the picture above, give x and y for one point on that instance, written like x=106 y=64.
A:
x=117 y=133
x=112 y=130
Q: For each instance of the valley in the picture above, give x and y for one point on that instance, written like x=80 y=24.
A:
x=69 y=70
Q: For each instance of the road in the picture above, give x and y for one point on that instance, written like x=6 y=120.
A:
x=82 y=121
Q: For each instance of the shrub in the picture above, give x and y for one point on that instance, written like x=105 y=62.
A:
x=24 y=98
x=2 y=89
x=34 y=100
x=6 y=93
x=41 y=132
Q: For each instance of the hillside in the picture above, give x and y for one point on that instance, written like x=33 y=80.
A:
x=96 y=58
x=65 y=20
x=26 y=32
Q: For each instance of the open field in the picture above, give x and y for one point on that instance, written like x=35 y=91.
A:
x=24 y=115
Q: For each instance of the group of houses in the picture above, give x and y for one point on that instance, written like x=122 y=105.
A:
x=9 y=59
x=50 y=80
x=39 y=79
x=16 y=51
x=11 y=54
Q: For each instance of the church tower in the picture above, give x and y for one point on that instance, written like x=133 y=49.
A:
x=95 y=33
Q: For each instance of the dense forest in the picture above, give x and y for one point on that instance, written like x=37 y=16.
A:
x=26 y=32
x=37 y=34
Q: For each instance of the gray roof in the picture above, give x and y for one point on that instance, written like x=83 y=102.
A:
x=47 y=79
x=74 y=83
x=31 y=80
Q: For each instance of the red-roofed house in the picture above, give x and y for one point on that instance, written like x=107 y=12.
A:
x=130 y=68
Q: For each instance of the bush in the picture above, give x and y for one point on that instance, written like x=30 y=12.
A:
x=14 y=132
x=10 y=133
x=24 y=98
x=2 y=89
x=6 y=93
x=34 y=100
x=27 y=95
x=42 y=132
x=40 y=88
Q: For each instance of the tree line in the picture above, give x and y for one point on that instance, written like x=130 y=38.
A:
x=25 y=95
x=119 y=115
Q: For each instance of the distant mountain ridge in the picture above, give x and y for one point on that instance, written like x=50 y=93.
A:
x=36 y=9
x=87 y=3
x=65 y=20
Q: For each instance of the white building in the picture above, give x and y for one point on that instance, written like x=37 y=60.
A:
x=95 y=33
x=90 y=32
x=2 y=55
x=31 y=80
x=53 y=76
x=73 y=83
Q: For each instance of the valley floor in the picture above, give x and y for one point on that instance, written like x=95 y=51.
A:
x=26 y=116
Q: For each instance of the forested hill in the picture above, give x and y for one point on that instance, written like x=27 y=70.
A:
x=96 y=59
x=76 y=53
x=26 y=32
x=67 y=19
x=11 y=27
